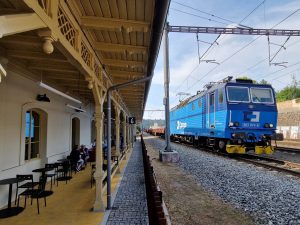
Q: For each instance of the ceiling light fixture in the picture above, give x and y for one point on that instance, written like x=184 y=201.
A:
x=59 y=92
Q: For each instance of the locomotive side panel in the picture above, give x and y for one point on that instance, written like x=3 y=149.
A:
x=189 y=119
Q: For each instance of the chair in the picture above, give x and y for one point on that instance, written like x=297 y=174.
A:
x=28 y=184
x=54 y=166
x=62 y=172
x=35 y=193
x=92 y=156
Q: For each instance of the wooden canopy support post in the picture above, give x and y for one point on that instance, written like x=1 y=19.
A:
x=125 y=132
x=99 y=119
x=117 y=123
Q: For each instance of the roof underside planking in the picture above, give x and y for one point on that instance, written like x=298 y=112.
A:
x=125 y=36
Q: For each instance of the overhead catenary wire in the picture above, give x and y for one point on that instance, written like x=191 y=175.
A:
x=211 y=46
x=206 y=13
x=250 y=43
x=263 y=60
x=252 y=11
x=202 y=17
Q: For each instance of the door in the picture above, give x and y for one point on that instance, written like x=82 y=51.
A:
x=212 y=108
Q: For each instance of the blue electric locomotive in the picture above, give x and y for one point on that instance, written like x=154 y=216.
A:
x=232 y=115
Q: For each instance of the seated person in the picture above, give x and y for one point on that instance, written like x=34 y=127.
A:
x=76 y=159
x=84 y=153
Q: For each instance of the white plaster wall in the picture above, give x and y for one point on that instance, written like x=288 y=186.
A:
x=17 y=94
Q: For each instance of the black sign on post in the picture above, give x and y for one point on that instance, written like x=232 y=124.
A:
x=131 y=120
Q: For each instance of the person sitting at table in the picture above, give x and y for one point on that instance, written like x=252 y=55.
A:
x=84 y=153
x=76 y=159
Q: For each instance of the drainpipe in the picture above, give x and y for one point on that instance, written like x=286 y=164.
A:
x=109 y=91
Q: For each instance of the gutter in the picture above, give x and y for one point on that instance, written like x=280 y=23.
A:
x=161 y=12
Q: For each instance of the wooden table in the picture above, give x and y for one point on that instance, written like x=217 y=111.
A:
x=42 y=170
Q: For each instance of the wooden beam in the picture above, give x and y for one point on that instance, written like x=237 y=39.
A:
x=119 y=73
x=130 y=49
x=54 y=57
x=53 y=68
x=80 y=85
x=123 y=63
x=103 y=23
x=19 y=39
x=18 y=23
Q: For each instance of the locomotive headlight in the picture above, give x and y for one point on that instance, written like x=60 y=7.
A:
x=271 y=125
x=267 y=125
x=236 y=124
x=231 y=124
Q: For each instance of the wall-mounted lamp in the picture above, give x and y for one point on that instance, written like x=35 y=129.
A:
x=42 y=98
x=58 y=92
x=75 y=108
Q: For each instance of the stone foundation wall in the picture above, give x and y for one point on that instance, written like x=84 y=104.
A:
x=288 y=122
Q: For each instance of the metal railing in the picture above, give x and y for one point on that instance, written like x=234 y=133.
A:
x=154 y=195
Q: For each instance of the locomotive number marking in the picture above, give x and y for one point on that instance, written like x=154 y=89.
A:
x=255 y=125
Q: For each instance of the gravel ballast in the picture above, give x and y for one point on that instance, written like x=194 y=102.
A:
x=270 y=197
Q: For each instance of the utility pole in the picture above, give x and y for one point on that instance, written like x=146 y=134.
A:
x=166 y=85
x=167 y=155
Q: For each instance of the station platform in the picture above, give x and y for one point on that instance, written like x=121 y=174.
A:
x=71 y=203
x=130 y=203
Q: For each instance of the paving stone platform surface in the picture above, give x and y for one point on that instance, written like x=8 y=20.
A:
x=130 y=205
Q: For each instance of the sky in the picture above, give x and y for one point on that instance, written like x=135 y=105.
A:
x=232 y=55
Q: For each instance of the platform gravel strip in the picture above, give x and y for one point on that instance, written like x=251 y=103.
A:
x=130 y=205
x=270 y=197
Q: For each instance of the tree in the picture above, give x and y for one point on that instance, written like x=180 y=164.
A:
x=263 y=81
x=290 y=92
x=247 y=78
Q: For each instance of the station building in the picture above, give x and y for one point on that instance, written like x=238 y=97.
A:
x=58 y=59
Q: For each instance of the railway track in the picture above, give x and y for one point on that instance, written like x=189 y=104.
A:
x=286 y=149
x=270 y=163
x=266 y=162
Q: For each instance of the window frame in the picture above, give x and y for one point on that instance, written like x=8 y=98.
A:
x=221 y=93
x=213 y=93
x=241 y=87
x=29 y=143
x=268 y=103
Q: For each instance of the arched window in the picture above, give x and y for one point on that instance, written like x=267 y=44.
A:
x=32 y=135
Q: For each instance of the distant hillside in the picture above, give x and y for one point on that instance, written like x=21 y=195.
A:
x=148 y=123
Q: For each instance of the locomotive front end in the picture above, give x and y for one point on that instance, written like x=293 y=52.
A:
x=252 y=118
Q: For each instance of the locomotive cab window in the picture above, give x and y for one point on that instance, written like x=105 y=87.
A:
x=262 y=95
x=238 y=94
